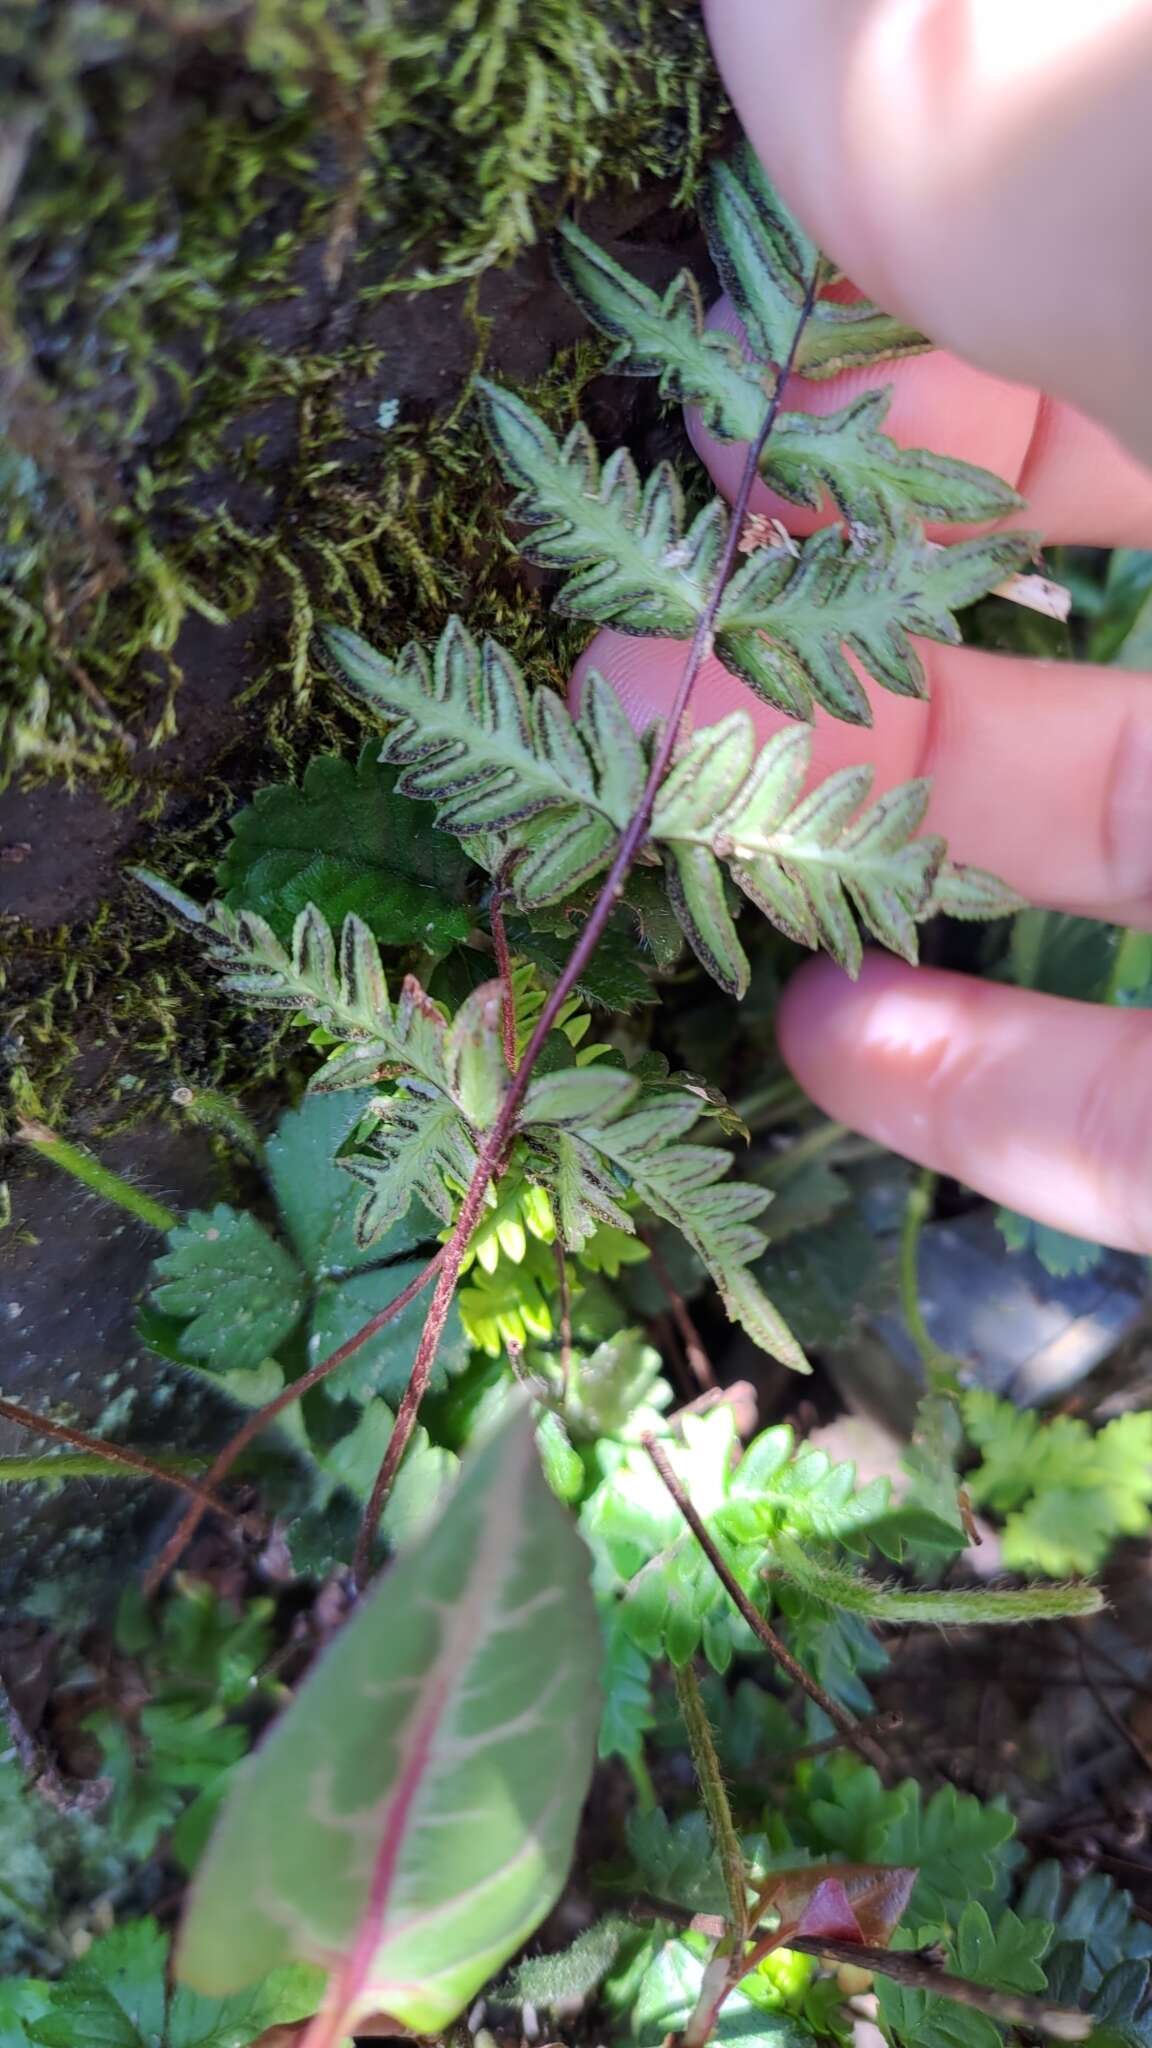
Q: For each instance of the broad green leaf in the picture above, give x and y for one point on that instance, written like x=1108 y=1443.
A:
x=337 y=1280
x=242 y=1292
x=345 y=841
x=410 y=1818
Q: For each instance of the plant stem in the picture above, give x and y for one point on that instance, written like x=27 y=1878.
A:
x=939 y=1368
x=807 y=1147
x=102 y=1181
x=715 y=1797
x=260 y=1418
x=761 y=1629
x=504 y=969
x=96 y=1448
x=699 y=1363
x=54 y=1465
x=496 y=1144
x=565 y=1294
x=852 y=1593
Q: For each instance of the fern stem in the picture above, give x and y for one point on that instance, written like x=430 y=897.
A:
x=260 y=1417
x=504 y=969
x=715 y=1796
x=632 y=839
x=939 y=1367
x=761 y=1629
x=852 y=1593
x=106 y=1454
x=101 y=1179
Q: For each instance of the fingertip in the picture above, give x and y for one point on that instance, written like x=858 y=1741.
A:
x=820 y=1013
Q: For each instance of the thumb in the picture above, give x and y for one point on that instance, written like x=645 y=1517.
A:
x=980 y=167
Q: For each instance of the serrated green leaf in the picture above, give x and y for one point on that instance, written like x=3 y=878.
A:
x=116 y=1996
x=846 y=456
x=636 y=563
x=345 y=841
x=241 y=1292
x=1068 y=1494
x=447 y=1697
x=664 y=337
x=785 y=619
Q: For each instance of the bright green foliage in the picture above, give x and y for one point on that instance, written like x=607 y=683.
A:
x=784 y=616
x=519 y=775
x=961 y=1849
x=411 y=1818
x=764 y=260
x=592 y=1135
x=1067 y=1494
x=668 y=1994
x=1004 y=1952
x=345 y=841
x=200 y=1661
x=671 y=1601
x=116 y=1996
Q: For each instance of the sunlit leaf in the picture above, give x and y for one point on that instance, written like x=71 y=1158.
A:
x=410 y=1818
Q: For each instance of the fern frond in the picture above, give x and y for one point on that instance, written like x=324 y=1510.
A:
x=419 y=1148
x=590 y=1166
x=764 y=260
x=470 y=738
x=785 y=618
x=846 y=454
x=805 y=860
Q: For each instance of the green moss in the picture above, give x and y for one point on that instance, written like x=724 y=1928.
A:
x=208 y=211
x=181 y=177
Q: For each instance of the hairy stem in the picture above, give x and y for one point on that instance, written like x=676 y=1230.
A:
x=850 y=1591
x=101 y=1453
x=495 y=1148
x=504 y=969
x=761 y=1629
x=712 y=1789
x=938 y=1366
x=260 y=1418
x=102 y=1181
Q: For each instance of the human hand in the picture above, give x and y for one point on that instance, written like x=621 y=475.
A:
x=982 y=170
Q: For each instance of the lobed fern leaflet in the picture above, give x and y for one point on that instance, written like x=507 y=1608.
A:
x=543 y=796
